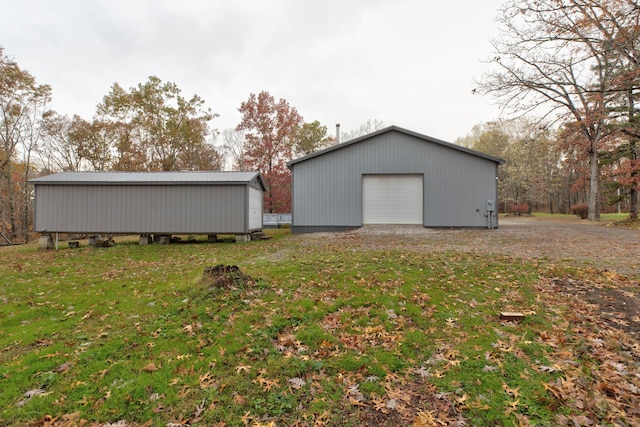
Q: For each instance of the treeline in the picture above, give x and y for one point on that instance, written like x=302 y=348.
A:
x=574 y=64
x=150 y=127
x=577 y=64
x=544 y=171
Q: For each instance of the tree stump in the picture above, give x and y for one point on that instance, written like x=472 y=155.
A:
x=224 y=276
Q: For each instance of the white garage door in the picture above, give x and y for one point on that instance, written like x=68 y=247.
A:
x=392 y=199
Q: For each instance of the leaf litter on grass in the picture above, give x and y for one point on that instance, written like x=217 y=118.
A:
x=599 y=360
x=377 y=337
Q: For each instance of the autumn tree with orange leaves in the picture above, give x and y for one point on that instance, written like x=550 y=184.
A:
x=270 y=133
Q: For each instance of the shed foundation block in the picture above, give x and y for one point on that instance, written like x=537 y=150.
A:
x=45 y=242
x=243 y=237
x=164 y=239
x=146 y=239
x=212 y=238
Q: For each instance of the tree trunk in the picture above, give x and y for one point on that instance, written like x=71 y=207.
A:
x=633 y=157
x=594 y=182
x=11 y=203
x=26 y=200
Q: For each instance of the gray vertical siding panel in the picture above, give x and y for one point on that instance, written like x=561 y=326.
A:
x=327 y=189
x=182 y=209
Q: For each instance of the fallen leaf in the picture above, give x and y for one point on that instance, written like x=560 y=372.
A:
x=62 y=368
x=423 y=372
x=549 y=369
x=297 y=382
x=150 y=367
x=51 y=355
x=356 y=402
x=425 y=419
x=462 y=398
x=515 y=392
x=207 y=381
x=246 y=418
x=380 y=404
x=240 y=400
x=267 y=384
x=34 y=392
x=243 y=368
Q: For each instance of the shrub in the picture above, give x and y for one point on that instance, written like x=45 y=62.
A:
x=520 y=209
x=580 y=209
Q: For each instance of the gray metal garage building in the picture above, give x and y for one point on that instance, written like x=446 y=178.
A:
x=394 y=176
x=146 y=203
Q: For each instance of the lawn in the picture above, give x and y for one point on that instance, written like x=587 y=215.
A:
x=605 y=217
x=312 y=333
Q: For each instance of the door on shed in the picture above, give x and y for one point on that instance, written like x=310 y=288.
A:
x=255 y=208
x=392 y=199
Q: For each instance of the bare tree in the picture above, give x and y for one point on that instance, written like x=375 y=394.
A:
x=554 y=59
x=22 y=103
x=233 y=142
x=364 y=129
x=29 y=144
x=58 y=150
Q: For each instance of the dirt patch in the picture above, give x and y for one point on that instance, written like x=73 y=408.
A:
x=618 y=308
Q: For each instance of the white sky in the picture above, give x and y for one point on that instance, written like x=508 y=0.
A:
x=409 y=63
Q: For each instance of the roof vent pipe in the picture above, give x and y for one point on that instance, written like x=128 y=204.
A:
x=337 y=133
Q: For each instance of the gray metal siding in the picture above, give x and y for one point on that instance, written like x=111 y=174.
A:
x=167 y=209
x=327 y=189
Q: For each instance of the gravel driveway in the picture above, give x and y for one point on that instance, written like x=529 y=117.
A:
x=605 y=247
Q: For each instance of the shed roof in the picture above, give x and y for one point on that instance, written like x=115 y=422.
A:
x=368 y=136
x=150 y=178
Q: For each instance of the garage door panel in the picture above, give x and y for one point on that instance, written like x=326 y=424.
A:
x=392 y=199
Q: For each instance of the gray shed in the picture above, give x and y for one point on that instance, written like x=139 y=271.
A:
x=159 y=203
x=394 y=176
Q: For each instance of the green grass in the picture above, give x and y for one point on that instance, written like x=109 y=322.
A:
x=323 y=334
x=605 y=217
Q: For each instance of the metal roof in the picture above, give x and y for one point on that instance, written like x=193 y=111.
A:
x=149 y=178
x=397 y=129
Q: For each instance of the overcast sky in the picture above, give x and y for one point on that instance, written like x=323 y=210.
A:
x=409 y=63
